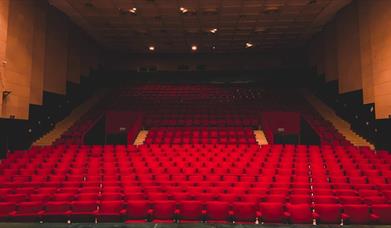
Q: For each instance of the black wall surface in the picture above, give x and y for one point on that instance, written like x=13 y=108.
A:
x=20 y=134
x=350 y=107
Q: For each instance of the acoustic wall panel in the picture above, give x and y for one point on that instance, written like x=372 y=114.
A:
x=380 y=24
x=366 y=50
x=39 y=51
x=330 y=52
x=56 y=64
x=17 y=76
x=4 y=8
x=348 y=49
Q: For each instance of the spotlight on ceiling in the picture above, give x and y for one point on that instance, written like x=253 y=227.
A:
x=213 y=47
x=214 y=30
x=249 y=45
x=132 y=10
x=183 y=10
x=194 y=48
x=151 y=48
x=271 y=9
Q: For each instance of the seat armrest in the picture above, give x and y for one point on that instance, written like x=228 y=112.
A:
x=345 y=216
x=150 y=211
x=374 y=217
x=41 y=212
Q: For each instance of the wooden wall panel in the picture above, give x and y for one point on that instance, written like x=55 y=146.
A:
x=4 y=7
x=19 y=59
x=380 y=24
x=366 y=51
x=330 y=52
x=56 y=65
x=348 y=49
x=39 y=51
x=74 y=59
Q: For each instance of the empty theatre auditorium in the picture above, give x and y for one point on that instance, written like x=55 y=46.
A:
x=195 y=113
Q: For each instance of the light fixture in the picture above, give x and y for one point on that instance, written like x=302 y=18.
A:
x=249 y=45
x=194 y=48
x=151 y=48
x=132 y=10
x=183 y=10
x=6 y=93
x=214 y=47
x=214 y=30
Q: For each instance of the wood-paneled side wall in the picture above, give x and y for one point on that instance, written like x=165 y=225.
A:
x=40 y=50
x=358 y=52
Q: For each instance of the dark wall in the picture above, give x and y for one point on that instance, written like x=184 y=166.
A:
x=350 y=107
x=20 y=134
x=308 y=135
x=97 y=134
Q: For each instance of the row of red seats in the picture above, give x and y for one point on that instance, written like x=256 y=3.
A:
x=194 y=211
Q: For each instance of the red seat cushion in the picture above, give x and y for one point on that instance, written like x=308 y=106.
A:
x=356 y=213
x=164 y=210
x=383 y=212
x=300 y=213
x=272 y=212
x=244 y=212
x=328 y=213
x=190 y=210
x=217 y=211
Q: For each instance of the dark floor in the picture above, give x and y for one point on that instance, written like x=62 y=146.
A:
x=152 y=225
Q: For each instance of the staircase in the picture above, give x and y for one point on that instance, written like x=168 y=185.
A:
x=341 y=125
x=260 y=137
x=142 y=135
x=66 y=123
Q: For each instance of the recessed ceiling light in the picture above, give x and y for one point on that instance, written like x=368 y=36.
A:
x=132 y=10
x=260 y=29
x=151 y=48
x=272 y=9
x=214 y=30
x=183 y=10
x=194 y=48
x=214 y=47
x=249 y=45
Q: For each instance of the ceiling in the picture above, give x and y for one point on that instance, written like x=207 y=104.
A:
x=267 y=24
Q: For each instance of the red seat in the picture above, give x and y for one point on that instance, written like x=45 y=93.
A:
x=356 y=214
x=28 y=212
x=328 y=213
x=299 y=213
x=165 y=211
x=190 y=211
x=84 y=211
x=111 y=211
x=138 y=211
x=272 y=212
x=6 y=209
x=57 y=212
x=244 y=212
x=217 y=211
x=381 y=213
